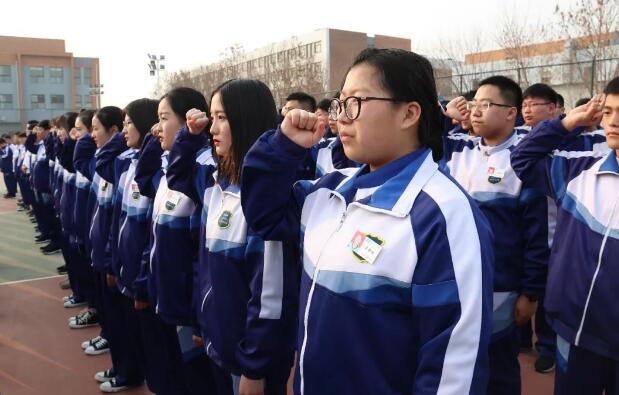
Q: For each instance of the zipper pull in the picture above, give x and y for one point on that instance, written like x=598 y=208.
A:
x=342 y=221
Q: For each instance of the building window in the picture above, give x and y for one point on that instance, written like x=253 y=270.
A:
x=57 y=102
x=37 y=102
x=77 y=75
x=56 y=75
x=78 y=101
x=5 y=74
x=6 y=101
x=36 y=75
x=87 y=78
x=317 y=46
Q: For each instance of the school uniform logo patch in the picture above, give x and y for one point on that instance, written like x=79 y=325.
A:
x=135 y=191
x=224 y=219
x=172 y=199
x=495 y=175
x=103 y=186
x=365 y=247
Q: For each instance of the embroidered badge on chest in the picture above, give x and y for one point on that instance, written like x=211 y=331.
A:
x=135 y=191
x=495 y=175
x=365 y=247
x=172 y=199
x=224 y=219
x=103 y=186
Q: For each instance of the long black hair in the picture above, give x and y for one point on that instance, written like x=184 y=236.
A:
x=110 y=116
x=250 y=110
x=409 y=77
x=143 y=114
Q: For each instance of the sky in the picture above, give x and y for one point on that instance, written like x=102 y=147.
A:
x=194 y=32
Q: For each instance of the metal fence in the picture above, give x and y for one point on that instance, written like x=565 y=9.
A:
x=573 y=80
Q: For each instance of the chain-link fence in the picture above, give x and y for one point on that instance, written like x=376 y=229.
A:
x=573 y=80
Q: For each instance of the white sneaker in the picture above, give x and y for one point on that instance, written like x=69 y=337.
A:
x=104 y=376
x=100 y=347
x=111 y=386
x=71 y=303
x=90 y=342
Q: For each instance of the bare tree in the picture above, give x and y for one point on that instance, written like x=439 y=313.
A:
x=591 y=26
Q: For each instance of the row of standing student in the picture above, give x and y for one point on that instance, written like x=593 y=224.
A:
x=397 y=260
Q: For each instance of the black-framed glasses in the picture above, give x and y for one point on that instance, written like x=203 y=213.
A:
x=484 y=105
x=352 y=106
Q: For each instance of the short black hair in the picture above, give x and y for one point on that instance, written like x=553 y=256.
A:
x=31 y=124
x=541 y=91
x=143 y=114
x=22 y=134
x=509 y=89
x=612 y=88
x=560 y=100
x=44 y=124
x=110 y=116
x=470 y=95
x=324 y=105
x=184 y=99
x=409 y=77
x=581 y=101
x=67 y=120
x=303 y=97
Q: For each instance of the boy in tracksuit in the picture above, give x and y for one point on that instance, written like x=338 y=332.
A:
x=6 y=165
x=516 y=212
x=582 y=281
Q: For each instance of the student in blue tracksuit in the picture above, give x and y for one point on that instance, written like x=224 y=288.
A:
x=84 y=165
x=169 y=267
x=7 y=166
x=129 y=237
x=582 y=281
x=396 y=292
x=248 y=286
x=516 y=212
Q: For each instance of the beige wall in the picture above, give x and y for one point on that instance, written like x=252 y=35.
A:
x=392 y=42
x=25 y=45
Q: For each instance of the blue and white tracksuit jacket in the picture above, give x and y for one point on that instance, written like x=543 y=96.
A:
x=103 y=185
x=517 y=213
x=131 y=230
x=40 y=169
x=175 y=229
x=247 y=291
x=84 y=164
x=582 y=281
x=414 y=315
x=329 y=155
x=68 y=194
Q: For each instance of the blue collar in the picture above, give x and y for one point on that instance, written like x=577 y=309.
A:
x=610 y=165
x=391 y=180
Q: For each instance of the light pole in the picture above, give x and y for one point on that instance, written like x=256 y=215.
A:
x=96 y=90
x=155 y=64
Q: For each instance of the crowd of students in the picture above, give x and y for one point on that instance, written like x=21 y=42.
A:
x=378 y=242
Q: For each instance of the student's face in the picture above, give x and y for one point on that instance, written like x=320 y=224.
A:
x=80 y=128
x=41 y=133
x=62 y=134
x=169 y=124
x=99 y=133
x=496 y=119
x=131 y=133
x=322 y=115
x=536 y=110
x=220 y=128
x=610 y=121
x=376 y=136
x=333 y=126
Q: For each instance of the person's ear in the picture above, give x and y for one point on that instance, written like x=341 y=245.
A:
x=512 y=114
x=411 y=115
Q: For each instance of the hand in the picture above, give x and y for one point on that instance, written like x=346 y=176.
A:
x=586 y=115
x=140 y=305
x=524 y=310
x=196 y=121
x=456 y=109
x=251 y=387
x=154 y=130
x=110 y=280
x=197 y=341
x=302 y=127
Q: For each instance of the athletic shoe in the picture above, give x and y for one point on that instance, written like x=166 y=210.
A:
x=73 y=302
x=89 y=318
x=101 y=346
x=61 y=269
x=113 y=386
x=105 y=375
x=90 y=342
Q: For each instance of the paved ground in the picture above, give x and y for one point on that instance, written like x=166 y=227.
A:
x=39 y=354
